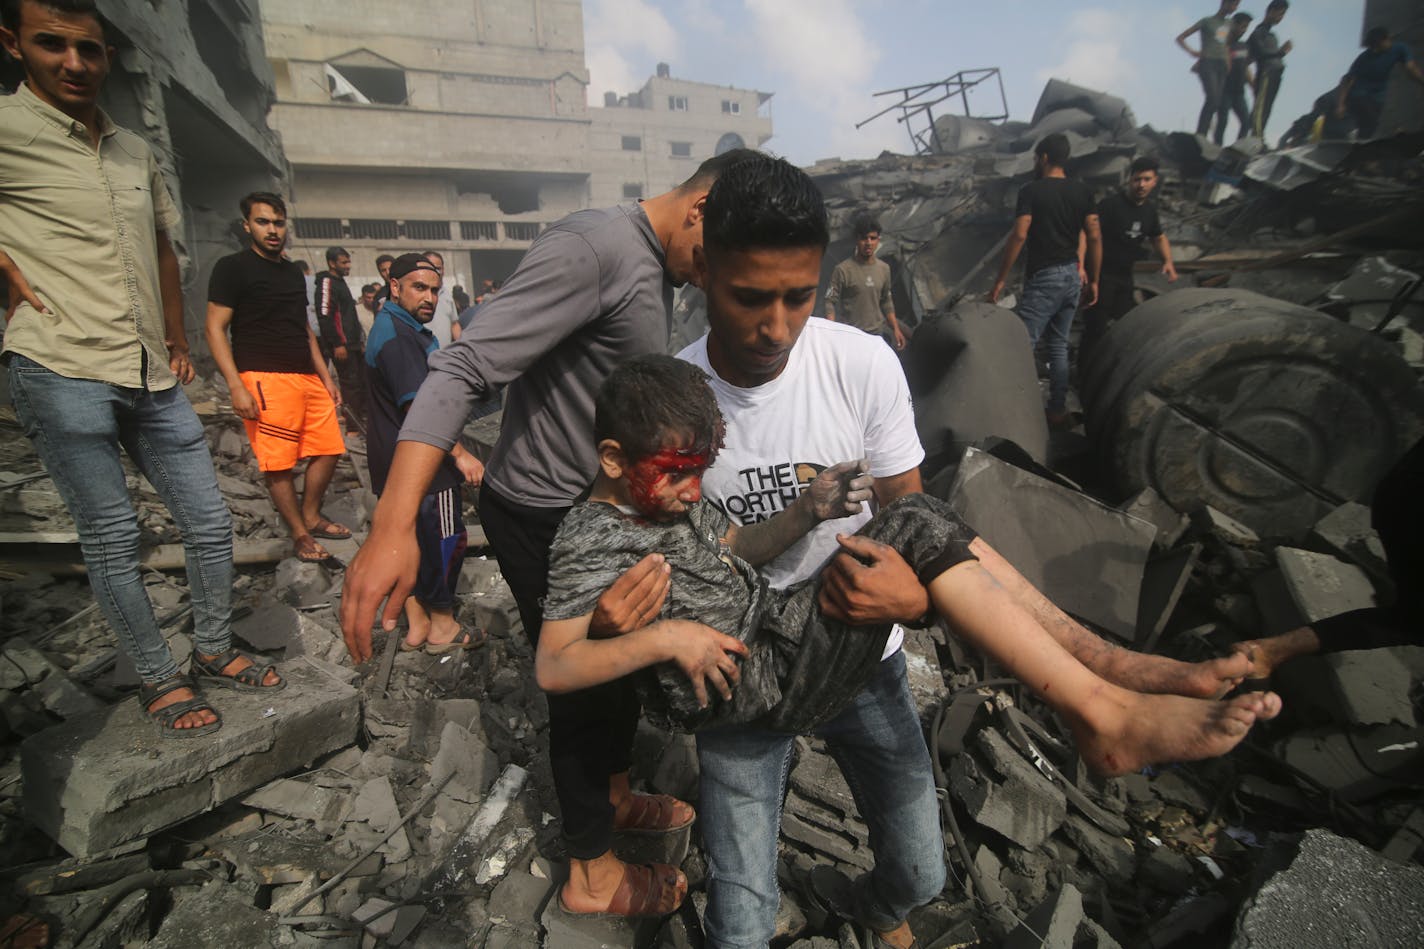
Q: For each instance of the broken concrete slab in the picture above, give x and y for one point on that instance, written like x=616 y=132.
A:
x=215 y=916
x=1006 y=793
x=1148 y=505
x=301 y=800
x=301 y=584
x=1347 y=533
x=1164 y=579
x=1321 y=585
x=466 y=755
x=102 y=779
x=1330 y=891
x=268 y=628
x=1374 y=686
x=1052 y=925
x=1083 y=555
x=1111 y=856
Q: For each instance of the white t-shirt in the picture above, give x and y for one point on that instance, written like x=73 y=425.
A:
x=842 y=396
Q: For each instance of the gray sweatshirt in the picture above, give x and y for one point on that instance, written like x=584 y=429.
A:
x=590 y=294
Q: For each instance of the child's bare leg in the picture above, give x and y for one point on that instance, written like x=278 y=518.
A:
x=1137 y=671
x=1268 y=654
x=1116 y=730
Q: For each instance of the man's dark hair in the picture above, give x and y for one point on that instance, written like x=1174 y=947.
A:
x=384 y=259
x=461 y=298
x=303 y=266
x=370 y=287
x=711 y=169
x=1376 y=35
x=864 y=223
x=764 y=202
x=10 y=12
x=1278 y=5
x=1055 y=148
x=1242 y=17
x=273 y=201
x=653 y=398
x=334 y=253
x=427 y=254
x=1145 y=163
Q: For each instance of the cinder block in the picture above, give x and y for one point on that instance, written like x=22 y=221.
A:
x=102 y=779
x=1008 y=796
x=1322 y=586
x=568 y=931
x=1053 y=925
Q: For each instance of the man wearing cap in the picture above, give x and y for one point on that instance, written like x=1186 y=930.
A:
x=396 y=354
x=278 y=381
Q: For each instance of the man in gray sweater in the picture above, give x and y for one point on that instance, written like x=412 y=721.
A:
x=593 y=291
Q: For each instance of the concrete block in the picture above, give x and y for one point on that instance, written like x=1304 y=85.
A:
x=1346 y=533
x=302 y=584
x=1053 y=925
x=987 y=863
x=58 y=694
x=1373 y=686
x=1163 y=582
x=1223 y=527
x=923 y=672
x=518 y=901
x=102 y=779
x=567 y=931
x=1149 y=506
x=1167 y=870
x=1085 y=557
x=22 y=664
x=213 y=916
x=268 y=627
x=1321 y=585
x=1006 y=793
x=467 y=756
x=1111 y=856
x=1332 y=892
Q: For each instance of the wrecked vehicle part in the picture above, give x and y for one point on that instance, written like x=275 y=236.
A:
x=1269 y=412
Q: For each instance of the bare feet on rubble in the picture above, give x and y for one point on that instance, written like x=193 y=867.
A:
x=1124 y=731
x=1267 y=654
x=1159 y=675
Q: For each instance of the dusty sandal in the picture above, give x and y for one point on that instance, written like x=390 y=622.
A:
x=463 y=640
x=167 y=717
x=651 y=814
x=250 y=679
x=330 y=530
x=639 y=893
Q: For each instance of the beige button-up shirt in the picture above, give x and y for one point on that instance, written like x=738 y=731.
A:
x=81 y=222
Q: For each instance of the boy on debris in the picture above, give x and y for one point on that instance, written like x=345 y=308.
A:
x=658 y=429
x=395 y=356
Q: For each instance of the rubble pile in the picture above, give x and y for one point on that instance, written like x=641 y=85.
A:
x=410 y=802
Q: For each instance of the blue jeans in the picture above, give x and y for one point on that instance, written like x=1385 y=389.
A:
x=77 y=426
x=878 y=745
x=1050 y=298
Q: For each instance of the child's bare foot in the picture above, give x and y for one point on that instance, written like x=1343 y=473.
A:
x=1268 y=654
x=1159 y=675
x=1129 y=731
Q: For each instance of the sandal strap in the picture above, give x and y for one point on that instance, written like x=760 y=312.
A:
x=217 y=664
x=149 y=693
x=650 y=812
x=252 y=675
x=169 y=714
x=642 y=889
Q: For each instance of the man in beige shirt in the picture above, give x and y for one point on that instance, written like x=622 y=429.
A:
x=860 y=287
x=95 y=348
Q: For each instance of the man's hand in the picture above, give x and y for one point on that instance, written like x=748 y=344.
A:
x=1090 y=294
x=995 y=291
x=1170 y=272
x=243 y=404
x=841 y=490
x=339 y=354
x=470 y=468
x=384 y=568
x=334 y=392
x=899 y=338
x=1082 y=275
x=20 y=290
x=869 y=582
x=634 y=600
x=179 y=363
x=707 y=658
x=1287 y=46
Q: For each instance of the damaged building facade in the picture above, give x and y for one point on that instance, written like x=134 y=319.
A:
x=465 y=128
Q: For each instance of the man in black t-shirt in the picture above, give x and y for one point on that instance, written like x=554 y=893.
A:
x=1052 y=212
x=1128 y=217
x=341 y=335
x=275 y=371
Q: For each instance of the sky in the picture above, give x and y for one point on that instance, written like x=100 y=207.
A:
x=825 y=59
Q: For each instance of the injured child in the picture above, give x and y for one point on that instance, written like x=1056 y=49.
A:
x=772 y=657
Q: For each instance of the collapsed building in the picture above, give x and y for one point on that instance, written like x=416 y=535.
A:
x=1216 y=493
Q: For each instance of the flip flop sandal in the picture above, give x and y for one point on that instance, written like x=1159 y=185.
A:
x=410 y=647
x=330 y=530
x=210 y=672
x=167 y=717
x=465 y=640
x=651 y=814
x=638 y=894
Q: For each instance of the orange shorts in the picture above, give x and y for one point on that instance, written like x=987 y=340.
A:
x=297 y=419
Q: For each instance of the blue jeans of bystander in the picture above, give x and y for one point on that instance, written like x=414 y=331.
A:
x=1050 y=298
x=77 y=426
x=878 y=744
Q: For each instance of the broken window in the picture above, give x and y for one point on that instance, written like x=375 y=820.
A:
x=677 y=103
x=633 y=190
x=426 y=230
x=632 y=143
x=681 y=149
x=366 y=84
x=479 y=230
x=319 y=228
x=731 y=107
x=521 y=231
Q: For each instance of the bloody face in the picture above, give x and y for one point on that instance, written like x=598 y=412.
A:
x=663 y=484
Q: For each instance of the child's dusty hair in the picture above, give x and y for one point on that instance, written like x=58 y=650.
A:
x=652 y=399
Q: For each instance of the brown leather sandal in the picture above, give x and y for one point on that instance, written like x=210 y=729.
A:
x=651 y=814
x=639 y=893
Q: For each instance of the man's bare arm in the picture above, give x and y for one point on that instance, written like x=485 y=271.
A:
x=170 y=287
x=215 y=328
x=1017 y=238
x=17 y=287
x=1164 y=250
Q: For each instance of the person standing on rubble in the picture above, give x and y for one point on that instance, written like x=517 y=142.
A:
x=1238 y=77
x=1268 y=55
x=860 y=286
x=341 y=338
x=594 y=290
x=279 y=383
x=1127 y=217
x=96 y=350
x=1363 y=89
x=1053 y=212
x=1211 y=59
